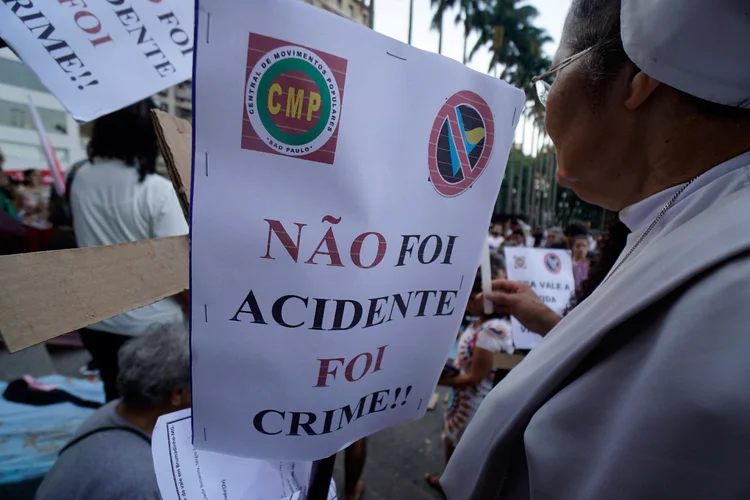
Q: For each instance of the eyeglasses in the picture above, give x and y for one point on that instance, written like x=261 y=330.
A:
x=542 y=87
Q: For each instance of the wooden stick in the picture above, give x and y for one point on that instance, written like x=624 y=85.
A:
x=46 y=294
x=176 y=141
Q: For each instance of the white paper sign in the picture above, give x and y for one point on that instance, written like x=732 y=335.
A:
x=550 y=275
x=97 y=56
x=343 y=185
x=184 y=473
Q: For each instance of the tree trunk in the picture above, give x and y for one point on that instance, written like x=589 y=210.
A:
x=440 y=34
x=467 y=29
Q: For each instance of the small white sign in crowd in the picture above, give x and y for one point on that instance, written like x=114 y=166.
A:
x=549 y=273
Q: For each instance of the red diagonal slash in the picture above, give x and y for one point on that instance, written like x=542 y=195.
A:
x=458 y=141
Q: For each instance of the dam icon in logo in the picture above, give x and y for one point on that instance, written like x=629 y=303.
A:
x=461 y=143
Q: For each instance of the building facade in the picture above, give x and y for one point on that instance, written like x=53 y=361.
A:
x=19 y=141
x=178 y=100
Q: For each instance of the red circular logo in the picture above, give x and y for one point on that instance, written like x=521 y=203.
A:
x=461 y=143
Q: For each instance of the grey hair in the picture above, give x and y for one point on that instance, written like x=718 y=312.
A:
x=556 y=231
x=154 y=365
x=596 y=23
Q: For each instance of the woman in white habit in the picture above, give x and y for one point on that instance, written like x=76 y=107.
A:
x=643 y=391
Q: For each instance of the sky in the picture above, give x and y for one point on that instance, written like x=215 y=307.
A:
x=392 y=19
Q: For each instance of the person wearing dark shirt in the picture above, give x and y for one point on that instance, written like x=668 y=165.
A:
x=109 y=457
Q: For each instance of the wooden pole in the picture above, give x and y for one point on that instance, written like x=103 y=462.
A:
x=320 y=478
x=411 y=19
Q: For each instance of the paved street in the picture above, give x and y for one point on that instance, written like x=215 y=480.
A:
x=397 y=458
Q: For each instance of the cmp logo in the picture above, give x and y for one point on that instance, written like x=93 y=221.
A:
x=293 y=100
x=553 y=263
x=519 y=262
x=461 y=143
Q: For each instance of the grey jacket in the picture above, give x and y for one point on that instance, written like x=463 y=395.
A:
x=642 y=392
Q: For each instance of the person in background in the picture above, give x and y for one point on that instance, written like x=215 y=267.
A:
x=495 y=237
x=33 y=194
x=554 y=237
x=517 y=238
x=538 y=238
x=7 y=195
x=109 y=456
x=117 y=198
x=572 y=231
x=580 y=259
x=640 y=391
x=473 y=378
x=355 y=457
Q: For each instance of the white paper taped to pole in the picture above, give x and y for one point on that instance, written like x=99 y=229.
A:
x=486 y=277
x=98 y=57
x=343 y=184
x=184 y=473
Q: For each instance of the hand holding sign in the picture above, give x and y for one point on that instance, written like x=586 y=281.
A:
x=519 y=300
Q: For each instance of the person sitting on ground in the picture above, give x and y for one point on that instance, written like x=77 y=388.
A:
x=110 y=454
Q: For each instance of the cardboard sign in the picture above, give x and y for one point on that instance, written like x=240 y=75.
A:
x=550 y=275
x=343 y=184
x=98 y=57
x=88 y=285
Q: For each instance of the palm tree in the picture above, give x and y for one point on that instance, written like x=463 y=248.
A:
x=515 y=42
x=467 y=12
x=437 y=20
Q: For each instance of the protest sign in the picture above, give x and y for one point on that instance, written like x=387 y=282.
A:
x=184 y=473
x=549 y=273
x=97 y=57
x=342 y=188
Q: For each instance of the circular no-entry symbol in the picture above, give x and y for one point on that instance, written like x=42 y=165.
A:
x=461 y=142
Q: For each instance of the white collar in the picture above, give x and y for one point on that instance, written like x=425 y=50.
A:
x=639 y=215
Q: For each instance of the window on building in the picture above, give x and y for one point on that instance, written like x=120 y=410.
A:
x=18 y=74
x=20 y=156
x=184 y=113
x=340 y=3
x=351 y=11
x=18 y=115
x=184 y=92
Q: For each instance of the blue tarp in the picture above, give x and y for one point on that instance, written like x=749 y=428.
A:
x=31 y=436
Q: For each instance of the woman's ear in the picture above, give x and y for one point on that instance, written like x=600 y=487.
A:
x=641 y=86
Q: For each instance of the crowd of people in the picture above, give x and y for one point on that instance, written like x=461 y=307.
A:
x=24 y=212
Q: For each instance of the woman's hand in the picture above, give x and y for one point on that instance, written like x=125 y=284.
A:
x=518 y=300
